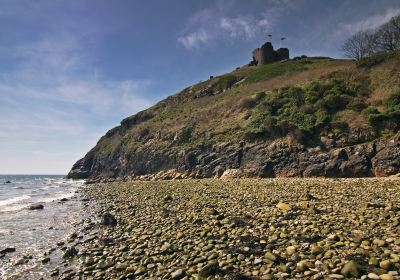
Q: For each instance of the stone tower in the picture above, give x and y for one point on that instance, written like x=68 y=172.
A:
x=266 y=54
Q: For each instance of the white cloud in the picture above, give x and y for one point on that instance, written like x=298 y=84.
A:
x=54 y=100
x=208 y=29
x=208 y=26
x=244 y=26
x=368 y=23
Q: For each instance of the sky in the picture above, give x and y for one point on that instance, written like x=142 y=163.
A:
x=72 y=70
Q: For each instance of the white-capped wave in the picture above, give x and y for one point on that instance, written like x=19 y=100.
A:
x=56 y=197
x=14 y=200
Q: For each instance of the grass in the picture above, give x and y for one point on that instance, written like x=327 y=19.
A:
x=277 y=100
x=269 y=71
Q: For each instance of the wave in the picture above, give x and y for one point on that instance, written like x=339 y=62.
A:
x=14 y=200
x=56 y=197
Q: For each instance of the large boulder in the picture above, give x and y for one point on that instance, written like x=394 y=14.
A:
x=108 y=220
x=314 y=170
x=387 y=161
x=356 y=166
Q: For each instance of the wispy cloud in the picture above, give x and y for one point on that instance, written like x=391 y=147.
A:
x=53 y=102
x=210 y=25
x=367 y=23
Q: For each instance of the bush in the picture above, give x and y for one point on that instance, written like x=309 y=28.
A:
x=224 y=82
x=356 y=105
x=306 y=109
x=374 y=60
x=389 y=118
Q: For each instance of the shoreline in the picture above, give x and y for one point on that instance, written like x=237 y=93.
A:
x=39 y=254
x=239 y=229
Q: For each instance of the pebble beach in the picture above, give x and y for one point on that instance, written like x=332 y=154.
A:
x=239 y=229
x=231 y=229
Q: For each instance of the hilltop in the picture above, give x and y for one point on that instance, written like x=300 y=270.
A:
x=301 y=117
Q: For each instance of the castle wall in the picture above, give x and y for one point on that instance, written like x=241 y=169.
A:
x=266 y=54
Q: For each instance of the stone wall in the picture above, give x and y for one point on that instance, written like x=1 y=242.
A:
x=266 y=54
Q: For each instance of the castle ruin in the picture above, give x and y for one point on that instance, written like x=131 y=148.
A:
x=266 y=54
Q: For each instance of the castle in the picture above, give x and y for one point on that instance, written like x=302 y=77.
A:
x=266 y=54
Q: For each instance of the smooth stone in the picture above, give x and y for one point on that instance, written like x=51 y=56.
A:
x=351 y=268
x=335 y=276
x=36 y=207
x=178 y=274
x=108 y=220
x=270 y=256
x=386 y=277
x=209 y=270
x=291 y=250
x=7 y=250
x=385 y=264
x=283 y=206
x=373 y=276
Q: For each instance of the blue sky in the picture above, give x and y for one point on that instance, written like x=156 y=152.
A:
x=71 y=70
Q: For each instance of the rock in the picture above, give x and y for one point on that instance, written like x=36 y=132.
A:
x=385 y=264
x=232 y=174
x=335 y=276
x=8 y=182
x=108 y=220
x=355 y=166
x=104 y=265
x=387 y=161
x=209 y=270
x=316 y=250
x=178 y=274
x=373 y=276
x=7 y=250
x=270 y=256
x=121 y=266
x=70 y=253
x=351 y=268
x=64 y=199
x=241 y=257
x=36 y=207
x=54 y=272
x=386 y=277
x=291 y=250
x=315 y=170
x=45 y=260
x=168 y=198
x=283 y=206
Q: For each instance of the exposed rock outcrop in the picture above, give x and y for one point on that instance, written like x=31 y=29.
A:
x=235 y=160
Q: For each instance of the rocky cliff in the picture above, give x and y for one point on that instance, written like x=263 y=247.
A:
x=307 y=117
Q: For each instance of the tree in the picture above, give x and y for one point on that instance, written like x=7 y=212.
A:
x=360 y=45
x=388 y=35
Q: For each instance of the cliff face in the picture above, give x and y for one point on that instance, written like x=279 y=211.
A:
x=309 y=117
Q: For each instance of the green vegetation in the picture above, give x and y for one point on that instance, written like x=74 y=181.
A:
x=269 y=71
x=389 y=118
x=312 y=97
x=305 y=108
x=375 y=59
x=224 y=82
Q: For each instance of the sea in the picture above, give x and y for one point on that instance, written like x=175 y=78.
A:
x=34 y=233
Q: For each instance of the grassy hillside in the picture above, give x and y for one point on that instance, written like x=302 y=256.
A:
x=301 y=99
x=318 y=103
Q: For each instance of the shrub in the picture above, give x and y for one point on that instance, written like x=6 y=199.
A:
x=374 y=60
x=307 y=108
x=356 y=105
x=224 y=82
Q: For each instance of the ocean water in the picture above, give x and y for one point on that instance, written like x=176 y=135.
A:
x=34 y=232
